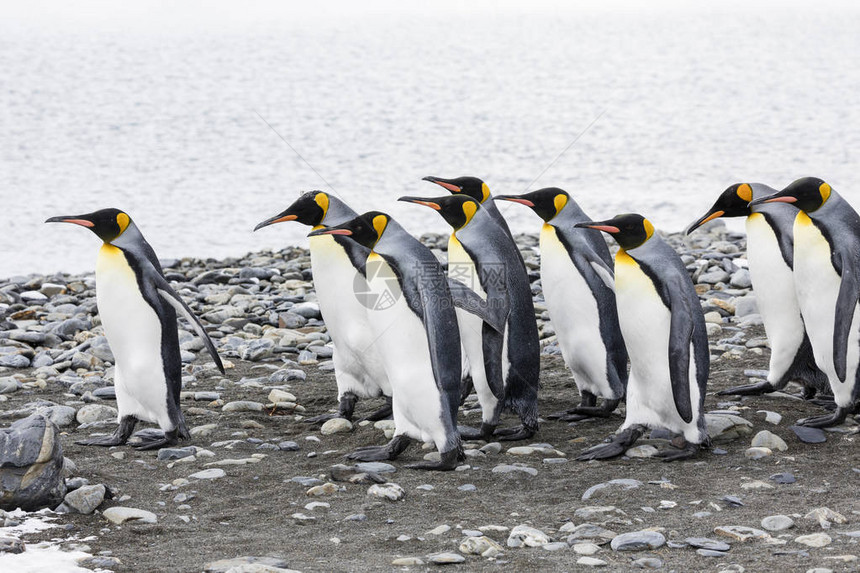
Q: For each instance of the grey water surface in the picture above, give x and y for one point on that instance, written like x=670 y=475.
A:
x=165 y=112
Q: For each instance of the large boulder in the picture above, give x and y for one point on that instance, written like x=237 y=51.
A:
x=31 y=465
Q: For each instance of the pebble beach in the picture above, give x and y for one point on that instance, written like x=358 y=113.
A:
x=258 y=489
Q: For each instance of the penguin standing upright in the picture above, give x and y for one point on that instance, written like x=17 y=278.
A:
x=827 y=281
x=664 y=330
x=138 y=308
x=417 y=336
x=338 y=266
x=479 y=191
x=505 y=365
x=578 y=286
x=770 y=252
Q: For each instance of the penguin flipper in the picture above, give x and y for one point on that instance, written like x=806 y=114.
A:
x=680 y=338
x=468 y=300
x=849 y=294
x=174 y=300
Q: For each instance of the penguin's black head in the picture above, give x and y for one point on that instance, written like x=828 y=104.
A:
x=108 y=224
x=309 y=209
x=807 y=194
x=547 y=202
x=630 y=230
x=471 y=186
x=365 y=229
x=457 y=210
x=734 y=202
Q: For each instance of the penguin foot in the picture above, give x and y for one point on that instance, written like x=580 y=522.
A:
x=322 y=418
x=345 y=408
x=469 y=433
x=119 y=437
x=827 y=420
x=105 y=441
x=587 y=409
x=384 y=413
x=170 y=438
x=450 y=460
x=381 y=453
x=514 y=434
x=371 y=454
x=687 y=451
x=826 y=402
x=617 y=446
x=757 y=389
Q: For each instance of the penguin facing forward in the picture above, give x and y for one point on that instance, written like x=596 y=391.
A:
x=505 y=366
x=664 y=330
x=770 y=252
x=417 y=336
x=338 y=266
x=137 y=307
x=578 y=285
x=827 y=281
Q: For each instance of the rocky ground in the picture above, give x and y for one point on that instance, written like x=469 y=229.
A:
x=257 y=482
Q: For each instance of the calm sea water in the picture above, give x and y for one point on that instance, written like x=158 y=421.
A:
x=158 y=112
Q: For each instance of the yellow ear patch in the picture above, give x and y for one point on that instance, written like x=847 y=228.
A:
x=485 y=192
x=321 y=199
x=559 y=202
x=745 y=192
x=469 y=210
x=824 y=189
x=649 y=228
x=122 y=220
x=379 y=224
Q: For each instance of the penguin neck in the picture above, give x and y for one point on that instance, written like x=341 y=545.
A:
x=623 y=258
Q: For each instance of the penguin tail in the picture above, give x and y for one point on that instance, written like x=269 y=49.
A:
x=526 y=409
x=184 y=434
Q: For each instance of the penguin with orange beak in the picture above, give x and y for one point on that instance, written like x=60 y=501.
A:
x=138 y=307
x=505 y=366
x=770 y=252
x=827 y=282
x=578 y=286
x=338 y=266
x=417 y=336
x=664 y=330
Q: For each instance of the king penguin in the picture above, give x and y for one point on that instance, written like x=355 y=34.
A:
x=416 y=334
x=137 y=307
x=480 y=192
x=770 y=252
x=505 y=366
x=664 y=330
x=578 y=286
x=827 y=281
x=338 y=266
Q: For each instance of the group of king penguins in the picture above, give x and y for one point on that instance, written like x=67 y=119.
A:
x=429 y=335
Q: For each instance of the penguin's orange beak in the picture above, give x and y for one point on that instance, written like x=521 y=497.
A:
x=276 y=219
x=707 y=217
x=420 y=201
x=319 y=232
x=443 y=183
x=515 y=199
x=73 y=220
x=605 y=228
